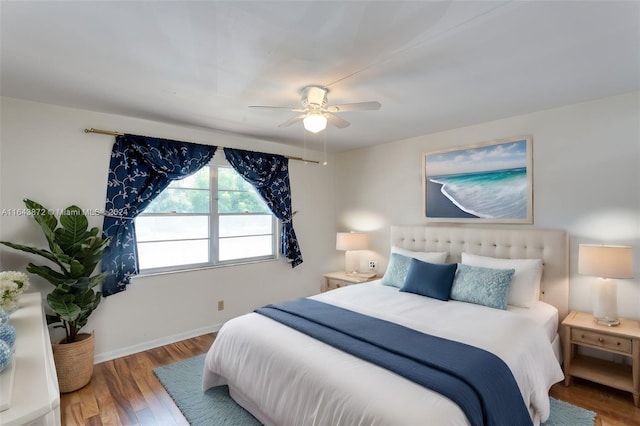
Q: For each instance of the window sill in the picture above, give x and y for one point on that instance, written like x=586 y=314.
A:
x=202 y=268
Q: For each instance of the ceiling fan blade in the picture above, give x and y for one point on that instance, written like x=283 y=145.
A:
x=293 y=120
x=277 y=107
x=336 y=121
x=358 y=106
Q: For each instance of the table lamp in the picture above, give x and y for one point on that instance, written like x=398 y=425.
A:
x=350 y=242
x=606 y=263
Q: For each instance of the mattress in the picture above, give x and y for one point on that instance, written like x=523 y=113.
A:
x=285 y=377
x=542 y=313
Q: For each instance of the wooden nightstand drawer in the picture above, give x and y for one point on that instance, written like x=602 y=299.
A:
x=333 y=283
x=618 y=344
x=334 y=280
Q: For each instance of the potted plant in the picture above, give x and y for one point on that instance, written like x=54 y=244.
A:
x=75 y=251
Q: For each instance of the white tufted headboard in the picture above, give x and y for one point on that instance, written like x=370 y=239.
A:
x=552 y=246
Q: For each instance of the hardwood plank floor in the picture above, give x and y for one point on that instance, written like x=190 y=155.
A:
x=613 y=407
x=125 y=391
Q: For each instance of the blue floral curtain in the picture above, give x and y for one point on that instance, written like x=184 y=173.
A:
x=269 y=174
x=141 y=168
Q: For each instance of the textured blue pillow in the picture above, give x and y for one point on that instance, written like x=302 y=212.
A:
x=430 y=279
x=396 y=271
x=482 y=286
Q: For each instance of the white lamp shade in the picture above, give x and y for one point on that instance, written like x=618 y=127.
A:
x=605 y=261
x=352 y=241
x=315 y=122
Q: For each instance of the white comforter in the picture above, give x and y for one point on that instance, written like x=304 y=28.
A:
x=284 y=377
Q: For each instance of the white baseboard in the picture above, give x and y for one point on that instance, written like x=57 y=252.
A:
x=106 y=356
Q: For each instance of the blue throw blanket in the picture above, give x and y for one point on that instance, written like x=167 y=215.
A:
x=478 y=381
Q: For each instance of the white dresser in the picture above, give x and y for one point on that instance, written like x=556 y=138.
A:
x=33 y=397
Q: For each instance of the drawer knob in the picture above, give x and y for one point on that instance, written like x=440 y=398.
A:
x=600 y=339
x=582 y=336
x=618 y=343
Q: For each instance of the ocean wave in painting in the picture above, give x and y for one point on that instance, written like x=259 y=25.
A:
x=491 y=195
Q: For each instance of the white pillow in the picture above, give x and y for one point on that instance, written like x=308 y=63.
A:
x=425 y=256
x=525 y=284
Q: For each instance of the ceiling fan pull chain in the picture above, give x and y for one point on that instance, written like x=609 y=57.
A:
x=304 y=148
x=324 y=136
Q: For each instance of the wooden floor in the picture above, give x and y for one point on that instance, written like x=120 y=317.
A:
x=613 y=407
x=125 y=391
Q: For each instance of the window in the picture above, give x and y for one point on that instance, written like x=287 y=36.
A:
x=213 y=217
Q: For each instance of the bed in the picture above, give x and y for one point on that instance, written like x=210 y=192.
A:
x=285 y=377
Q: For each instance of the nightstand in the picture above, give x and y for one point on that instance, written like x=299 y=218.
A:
x=334 y=280
x=579 y=329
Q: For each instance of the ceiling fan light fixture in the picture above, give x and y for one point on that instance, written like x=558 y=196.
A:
x=315 y=122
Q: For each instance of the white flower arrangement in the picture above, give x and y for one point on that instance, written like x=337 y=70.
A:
x=12 y=284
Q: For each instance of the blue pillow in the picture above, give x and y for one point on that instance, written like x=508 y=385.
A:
x=482 y=286
x=430 y=279
x=396 y=271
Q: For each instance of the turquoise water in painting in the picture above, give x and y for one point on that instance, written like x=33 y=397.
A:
x=490 y=195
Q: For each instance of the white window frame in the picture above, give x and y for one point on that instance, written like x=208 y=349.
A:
x=213 y=237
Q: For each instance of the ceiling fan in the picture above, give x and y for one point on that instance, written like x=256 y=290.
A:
x=315 y=113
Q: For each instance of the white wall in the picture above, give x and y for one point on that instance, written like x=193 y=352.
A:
x=46 y=156
x=586 y=180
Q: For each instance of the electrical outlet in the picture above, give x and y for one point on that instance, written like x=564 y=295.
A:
x=372 y=265
x=221 y=305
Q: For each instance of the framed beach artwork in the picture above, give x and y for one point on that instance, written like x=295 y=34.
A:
x=490 y=182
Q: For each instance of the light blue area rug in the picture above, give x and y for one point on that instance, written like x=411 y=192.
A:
x=565 y=414
x=183 y=381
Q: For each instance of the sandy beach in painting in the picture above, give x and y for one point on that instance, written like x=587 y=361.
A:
x=439 y=206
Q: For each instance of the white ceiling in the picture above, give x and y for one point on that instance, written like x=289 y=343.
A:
x=434 y=65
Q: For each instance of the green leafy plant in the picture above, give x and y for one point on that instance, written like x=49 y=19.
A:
x=75 y=250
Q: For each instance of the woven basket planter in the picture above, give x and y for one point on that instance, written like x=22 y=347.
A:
x=74 y=362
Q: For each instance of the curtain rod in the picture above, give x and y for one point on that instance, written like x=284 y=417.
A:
x=114 y=133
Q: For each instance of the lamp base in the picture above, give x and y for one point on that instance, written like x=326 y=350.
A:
x=605 y=302
x=351 y=262
x=610 y=322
